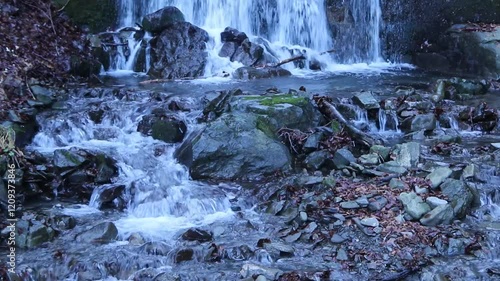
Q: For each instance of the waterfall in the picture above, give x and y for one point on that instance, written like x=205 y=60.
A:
x=290 y=22
x=286 y=24
x=357 y=38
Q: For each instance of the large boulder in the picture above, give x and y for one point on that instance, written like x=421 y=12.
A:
x=179 y=52
x=279 y=111
x=162 y=19
x=476 y=48
x=232 y=147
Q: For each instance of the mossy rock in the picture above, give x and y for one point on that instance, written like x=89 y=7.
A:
x=279 y=99
x=97 y=15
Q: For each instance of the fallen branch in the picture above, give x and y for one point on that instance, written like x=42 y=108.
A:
x=331 y=111
x=155 y=81
x=63 y=7
x=301 y=57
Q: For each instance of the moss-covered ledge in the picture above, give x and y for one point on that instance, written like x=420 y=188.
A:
x=97 y=15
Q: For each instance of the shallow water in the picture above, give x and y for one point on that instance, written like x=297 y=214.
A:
x=166 y=201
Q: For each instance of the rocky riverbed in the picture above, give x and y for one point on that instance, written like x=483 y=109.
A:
x=270 y=187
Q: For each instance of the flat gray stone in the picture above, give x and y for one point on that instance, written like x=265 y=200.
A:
x=414 y=205
x=392 y=167
x=377 y=203
x=442 y=214
x=343 y=158
x=371 y=222
x=350 y=205
x=438 y=176
x=337 y=239
x=397 y=184
x=369 y=159
x=434 y=202
x=407 y=154
x=342 y=255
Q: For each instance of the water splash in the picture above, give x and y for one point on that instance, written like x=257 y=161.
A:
x=286 y=25
x=159 y=190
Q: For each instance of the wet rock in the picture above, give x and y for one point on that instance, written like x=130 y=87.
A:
x=397 y=184
x=38 y=234
x=43 y=96
x=62 y=222
x=294 y=237
x=338 y=239
x=275 y=207
x=442 y=214
x=414 y=205
x=362 y=201
x=459 y=195
x=470 y=171
x=349 y=205
x=438 y=176
x=249 y=270
x=279 y=250
x=392 y=167
x=407 y=154
x=315 y=160
x=369 y=159
x=67 y=159
x=165 y=128
x=195 y=234
x=279 y=111
x=102 y=233
x=156 y=248
x=179 y=52
x=434 y=201
x=312 y=142
x=371 y=222
x=215 y=104
x=248 y=53
x=232 y=146
x=233 y=35
x=342 y=158
x=422 y=122
x=456 y=247
x=160 y=20
x=108 y=193
x=250 y=73
x=135 y=239
x=342 y=255
x=377 y=203
x=183 y=255
x=366 y=100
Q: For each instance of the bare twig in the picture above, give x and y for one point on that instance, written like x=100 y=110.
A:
x=60 y=10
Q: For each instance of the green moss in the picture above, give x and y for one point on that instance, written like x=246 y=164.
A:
x=71 y=158
x=279 y=99
x=263 y=125
x=98 y=15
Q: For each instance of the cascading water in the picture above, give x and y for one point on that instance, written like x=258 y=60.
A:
x=159 y=189
x=358 y=38
x=286 y=24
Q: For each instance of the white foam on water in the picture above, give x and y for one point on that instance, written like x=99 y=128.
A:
x=162 y=197
x=79 y=210
x=298 y=26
